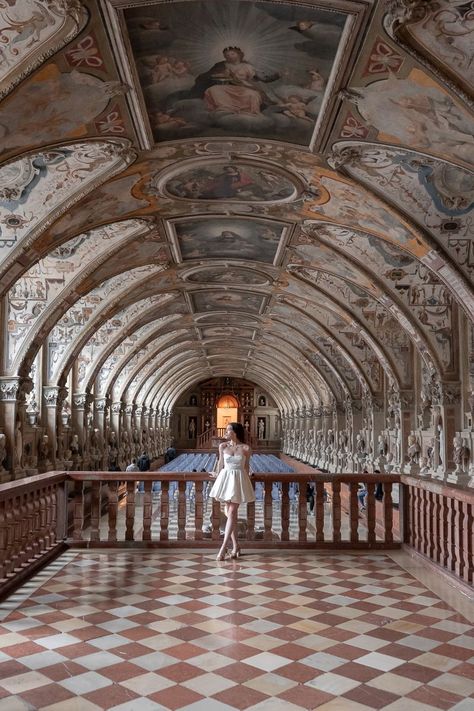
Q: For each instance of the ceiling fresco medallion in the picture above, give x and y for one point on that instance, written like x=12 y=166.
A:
x=227 y=301
x=225 y=331
x=240 y=238
x=227 y=275
x=230 y=181
x=222 y=319
x=220 y=68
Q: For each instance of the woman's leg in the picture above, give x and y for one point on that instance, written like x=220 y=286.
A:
x=230 y=527
x=233 y=535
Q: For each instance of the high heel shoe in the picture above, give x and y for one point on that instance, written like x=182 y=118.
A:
x=222 y=554
x=236 y=553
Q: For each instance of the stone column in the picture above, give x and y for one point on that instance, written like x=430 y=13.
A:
x=82 y=425
x=12 y=413
x=53 y=398
x=101 y=421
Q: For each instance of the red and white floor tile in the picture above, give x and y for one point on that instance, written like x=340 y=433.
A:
x=154 y=630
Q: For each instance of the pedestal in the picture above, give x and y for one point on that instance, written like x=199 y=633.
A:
x=411 y=469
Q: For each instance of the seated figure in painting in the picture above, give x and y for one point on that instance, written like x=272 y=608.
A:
x=231 y=86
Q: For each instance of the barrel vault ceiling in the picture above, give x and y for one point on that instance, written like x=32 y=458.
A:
x=280 y=191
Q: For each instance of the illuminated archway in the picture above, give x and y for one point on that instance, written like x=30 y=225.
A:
x=227 y=410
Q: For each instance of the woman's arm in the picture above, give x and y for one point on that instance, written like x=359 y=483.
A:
x=220 y=463
x=248 y=454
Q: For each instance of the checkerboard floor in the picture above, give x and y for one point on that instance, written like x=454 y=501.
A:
x=152 y=630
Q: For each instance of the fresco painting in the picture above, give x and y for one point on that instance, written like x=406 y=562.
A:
x=445 y=30
x=351 y=204
x=228 y=275
x=229 y=238
x=227 y=332
x=227 y=301
x=231 y=182
x=54 y=104
x=220 y=68
x=48 y=181
x=418 y=113
x=437 y=194
x=29 y=31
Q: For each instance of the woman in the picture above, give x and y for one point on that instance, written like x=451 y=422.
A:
x=232 y=89
x=232 y=485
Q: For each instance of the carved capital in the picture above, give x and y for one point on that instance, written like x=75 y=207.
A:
x=51 y=395
x=451 y=393
x=101 y=404
x=81 y=401
x=9 y=389
x=117 y=408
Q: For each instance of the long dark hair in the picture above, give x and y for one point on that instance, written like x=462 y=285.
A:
x=239 y=431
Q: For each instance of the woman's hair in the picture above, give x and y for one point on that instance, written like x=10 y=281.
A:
x=233 y=49
x=239 y=430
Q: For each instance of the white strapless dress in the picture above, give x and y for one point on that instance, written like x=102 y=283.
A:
x=232 y=482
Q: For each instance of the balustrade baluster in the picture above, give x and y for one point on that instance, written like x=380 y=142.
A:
x=458 y=537
x=36 y=523
x=444 y=531
x=451 y=537
x=48 y=539
x=436 y=528
x=319 y=511
x=112 y=510
x=285 y=512
x=370 y=499
x=8 y=534
x=165 y=510
x=417 y=518
x=23 y=525
x=388 y=512
x=336 y=511
x=353 y=512
x=468 y=542
x=22 y=548
x=198 y=509
x=268 y=512
x=302 y=513
x=250 y=521
x=96 y=504
x=130 y=512
x=147 y=511
x=408 y=514
x=425 y=520
x=42 y=519
x=216 y=519
x=32 y=542
x=430 y=504
x=78 y=510
x=181 y=511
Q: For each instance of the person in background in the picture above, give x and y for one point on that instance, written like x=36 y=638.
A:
x=132 y=467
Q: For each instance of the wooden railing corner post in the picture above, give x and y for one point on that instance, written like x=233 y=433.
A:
x=403 y=498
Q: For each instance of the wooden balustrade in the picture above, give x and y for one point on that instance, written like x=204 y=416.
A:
x=32 y=526
x=40 y=516
x=151 y=519
x=438 y=522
